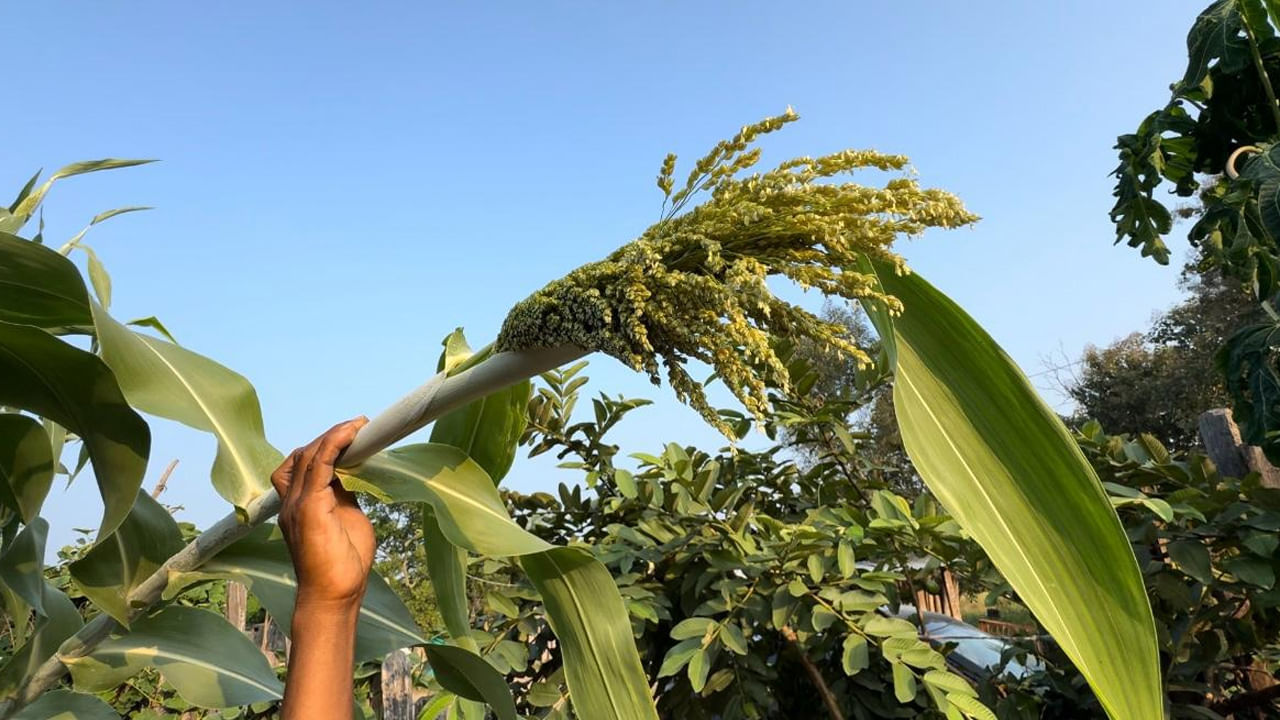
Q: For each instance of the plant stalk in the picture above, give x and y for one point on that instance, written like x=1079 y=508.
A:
x=437 y=396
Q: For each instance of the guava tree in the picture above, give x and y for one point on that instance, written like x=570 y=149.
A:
x=691 y=287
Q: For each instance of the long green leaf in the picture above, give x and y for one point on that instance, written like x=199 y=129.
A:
x=22 y=564
x=587 y=614
x=261 y=561
x=446 y=566
x=209 y=662
x=67 y=705
x=1003 y=464
x=466 y=503
x=584 y=607
x=61 y=621
x=31 y=200
x=112 y=569
x=168 y=380
x=26 y=464
x=470 y=676
x=40 y=287
x=75 y=389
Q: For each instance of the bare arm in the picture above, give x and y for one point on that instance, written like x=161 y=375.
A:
x=332 y=544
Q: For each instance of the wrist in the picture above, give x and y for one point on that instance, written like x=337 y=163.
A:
x=313 y=608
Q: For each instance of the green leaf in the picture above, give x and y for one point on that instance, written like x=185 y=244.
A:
x=732 y=637
x=472 y=677
x=846 y=559
x=585 y=610
x=22 y=564
x=23 y=209
x=26 y=465
x=881 y=626
x=61 y=621
x=446 y=566
x=694 y=627
x=98 y=276
x=973 y=708
x=75 y=389
x=699 y=668
x=208 y=661
x=154 y=323
x=488 y=429
x=584 y=607
x=466 y=503
x=854 y=657
x=1252 y=570
x=111 y=570
x=678 y=656
x=904 y=683
x=172 y=382
x=40 y=287
x=501 y=603
x=1218 y=34
x=1192 y=558
x=67 y=705
x=949 y=682
x=261 y=561
x=1006 y=468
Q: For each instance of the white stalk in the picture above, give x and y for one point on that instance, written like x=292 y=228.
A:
x=433 y=399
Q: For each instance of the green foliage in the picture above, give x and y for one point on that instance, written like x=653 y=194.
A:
x=721 y=557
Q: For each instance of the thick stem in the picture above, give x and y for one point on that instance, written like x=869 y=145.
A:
x=435 y=398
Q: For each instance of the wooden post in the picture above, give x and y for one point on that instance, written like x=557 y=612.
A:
x=1224 y=446
x=237 y=603
x=397 y=687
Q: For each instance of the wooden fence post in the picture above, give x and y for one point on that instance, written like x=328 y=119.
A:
x=237 y=603
x=397 y=687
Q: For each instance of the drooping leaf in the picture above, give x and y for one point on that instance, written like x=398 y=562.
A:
x=67 y=705
x=472 y=677
x=154 y=323
x=466 y=504
x=112 y=569
x=26 y=464
x=587 y=614
x=584 y=607
x=22 y=564
x=40 y=287
x=23 y=209
x=209 y=662
x=1218 y=34
x=172 y=382
x=75 y=389
x=261 y=561
x=1006 y=468
x=61 y=621
x=446 y=568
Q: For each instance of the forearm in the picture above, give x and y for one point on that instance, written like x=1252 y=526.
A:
x=321 y=662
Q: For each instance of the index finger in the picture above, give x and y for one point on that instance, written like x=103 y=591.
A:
x=332 y=443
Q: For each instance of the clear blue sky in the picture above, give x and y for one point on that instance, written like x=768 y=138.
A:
x=343 y=183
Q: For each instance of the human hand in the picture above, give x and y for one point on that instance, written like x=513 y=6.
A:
x=329 y=537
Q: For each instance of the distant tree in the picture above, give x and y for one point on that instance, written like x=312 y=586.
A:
x=400 y=558
x=1159 y=381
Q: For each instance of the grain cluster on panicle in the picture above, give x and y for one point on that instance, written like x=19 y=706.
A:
x=694 y=284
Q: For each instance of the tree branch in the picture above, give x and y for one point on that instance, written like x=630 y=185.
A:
x=815 y=676
x=1248 y=700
